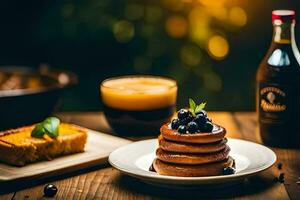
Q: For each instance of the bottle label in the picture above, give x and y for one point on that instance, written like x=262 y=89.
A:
x=273 y=104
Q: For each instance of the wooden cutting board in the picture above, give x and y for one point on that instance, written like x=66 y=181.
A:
x=99 y=146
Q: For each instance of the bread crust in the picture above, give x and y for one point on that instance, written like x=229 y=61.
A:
x=18 y=148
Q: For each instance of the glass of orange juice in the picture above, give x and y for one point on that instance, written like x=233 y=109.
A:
x=138 y=105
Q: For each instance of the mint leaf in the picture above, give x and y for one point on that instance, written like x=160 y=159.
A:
x=192 y=106
x=38 y=131
x=51 y=125
x=200 y=107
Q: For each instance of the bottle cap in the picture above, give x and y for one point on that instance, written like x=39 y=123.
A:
x=284 y=15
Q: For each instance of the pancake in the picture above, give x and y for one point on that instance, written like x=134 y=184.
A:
x=180 y=147
x=212 y=169
x=192 y=159
x=217 y=134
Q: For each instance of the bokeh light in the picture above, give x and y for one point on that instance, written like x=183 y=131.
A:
x=123 y=31
x=199 y=24
x=174 y=5
x=220 y=13
x=218 y=47
x=212 y=3
x=134 y=11
x=190 y=55
x=212 y=81
x=176 y=26
x=148 y=30
x=68 y=10
x=142 y=64
x=179 y=35
x=238 y=16
x=155 y=48
x=153 y=14
x=199 y=20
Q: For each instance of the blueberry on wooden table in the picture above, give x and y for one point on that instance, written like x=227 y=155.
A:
x=50 y=190
x=279 y=165
x=281 y=178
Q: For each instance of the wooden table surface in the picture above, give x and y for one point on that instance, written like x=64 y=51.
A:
x=104 y=182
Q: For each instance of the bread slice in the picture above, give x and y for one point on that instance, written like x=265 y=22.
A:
x=18 y=148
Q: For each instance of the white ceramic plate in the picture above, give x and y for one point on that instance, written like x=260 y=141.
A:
x=136 y=158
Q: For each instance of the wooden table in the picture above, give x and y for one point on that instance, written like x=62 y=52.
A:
x=104 y=182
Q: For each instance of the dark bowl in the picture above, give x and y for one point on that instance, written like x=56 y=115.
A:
x=33 y=96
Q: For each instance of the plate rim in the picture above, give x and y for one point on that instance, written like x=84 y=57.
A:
x=152 y=176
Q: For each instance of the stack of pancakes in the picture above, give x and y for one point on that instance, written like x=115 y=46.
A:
x=197 y=154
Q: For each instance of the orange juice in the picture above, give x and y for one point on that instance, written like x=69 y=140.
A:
x=138 y=105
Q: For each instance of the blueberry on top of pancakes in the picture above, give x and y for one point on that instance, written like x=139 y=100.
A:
x=192 y=120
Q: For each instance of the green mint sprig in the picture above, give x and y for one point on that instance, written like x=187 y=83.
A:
x=49 y=126
x=194 y=108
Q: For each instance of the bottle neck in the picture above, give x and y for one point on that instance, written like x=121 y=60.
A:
x=283 y=33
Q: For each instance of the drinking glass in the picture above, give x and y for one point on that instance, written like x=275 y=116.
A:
x=138 y=105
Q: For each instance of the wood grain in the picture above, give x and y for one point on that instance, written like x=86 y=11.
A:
x=226 y=120
x=108 y=183
x=248 y=126
x=7 y=196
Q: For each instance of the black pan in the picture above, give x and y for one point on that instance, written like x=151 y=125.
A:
x=23 y=105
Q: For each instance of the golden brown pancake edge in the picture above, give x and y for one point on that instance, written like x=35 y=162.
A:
x=200 y=138
x=211 y=169
x=183 y=147
x=192 y=159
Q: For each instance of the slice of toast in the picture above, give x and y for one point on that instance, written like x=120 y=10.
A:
x=18 y=147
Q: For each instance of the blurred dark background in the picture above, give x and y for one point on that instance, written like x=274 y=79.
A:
x=212 y=48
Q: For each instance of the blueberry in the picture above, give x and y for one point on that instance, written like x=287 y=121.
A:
x=228 y=171
x=202 y=112
x=279 y=165
x=207 y=127
x=181 y=129
x=192 y=127
x=281 y=178
x=175 y=124
x=183 y=113
x=186 y=120
x=50 y=190
x=200 y=120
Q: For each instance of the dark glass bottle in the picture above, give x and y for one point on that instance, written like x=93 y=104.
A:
x=278 y=85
